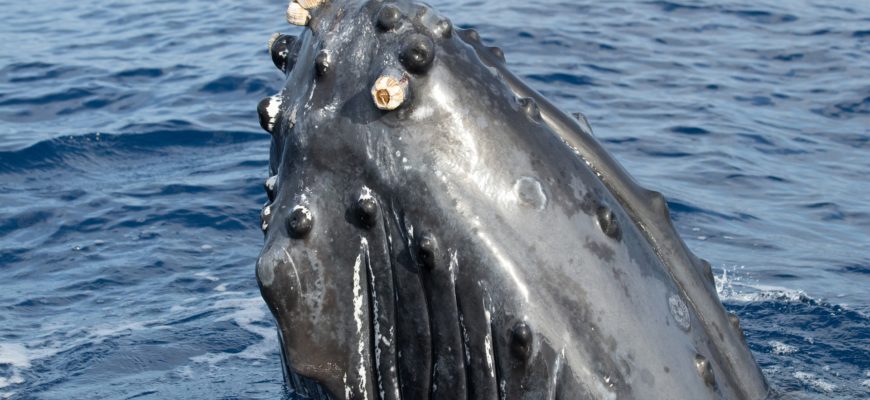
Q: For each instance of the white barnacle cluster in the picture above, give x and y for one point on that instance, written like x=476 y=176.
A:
x=390 y=90
x=299 y=11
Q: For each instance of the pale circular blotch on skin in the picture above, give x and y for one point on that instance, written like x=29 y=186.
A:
x=680 y=311
x=530 y=193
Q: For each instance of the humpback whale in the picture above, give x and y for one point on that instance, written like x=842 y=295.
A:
x=436 y=229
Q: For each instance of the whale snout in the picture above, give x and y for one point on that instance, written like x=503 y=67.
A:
x=318 y=293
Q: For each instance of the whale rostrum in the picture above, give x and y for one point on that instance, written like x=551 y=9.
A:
x=436 y=229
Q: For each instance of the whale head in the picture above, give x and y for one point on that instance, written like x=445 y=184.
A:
x=435 y=228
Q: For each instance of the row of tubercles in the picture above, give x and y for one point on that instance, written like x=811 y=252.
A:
x=281 y=49
x=300 y=222
x=609 y=225
x=527 y=105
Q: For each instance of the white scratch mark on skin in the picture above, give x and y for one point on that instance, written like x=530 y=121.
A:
x=487 y=343
x=454 y=262
x=358 y=317
x=292 y=264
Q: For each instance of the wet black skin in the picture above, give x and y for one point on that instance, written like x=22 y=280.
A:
x=474 y=243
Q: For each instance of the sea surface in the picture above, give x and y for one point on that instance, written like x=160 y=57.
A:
x=132 y=166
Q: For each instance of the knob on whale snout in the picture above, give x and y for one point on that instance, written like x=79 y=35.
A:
x=281 y=49
x=418 y=53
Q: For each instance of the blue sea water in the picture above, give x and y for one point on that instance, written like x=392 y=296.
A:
x=131 y=171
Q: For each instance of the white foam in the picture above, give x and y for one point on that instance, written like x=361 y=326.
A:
x=14 y=354
x=248 y=311
x=102 y=333
x=731 y=286
x=15 y=379
x=207 y=276
x=781 y=348
x=818 y=384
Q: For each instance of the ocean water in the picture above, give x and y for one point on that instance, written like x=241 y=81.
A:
x=131 y=171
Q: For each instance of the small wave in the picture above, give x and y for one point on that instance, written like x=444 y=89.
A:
x=562 y=78
x=803 y=344
x=228 y=84
x=245 y=310
x=14 y=354
x=677 y=206
x=731 y=287
x=690 y=130
x=68 y=151
x=251 y=315
x=763 y=17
